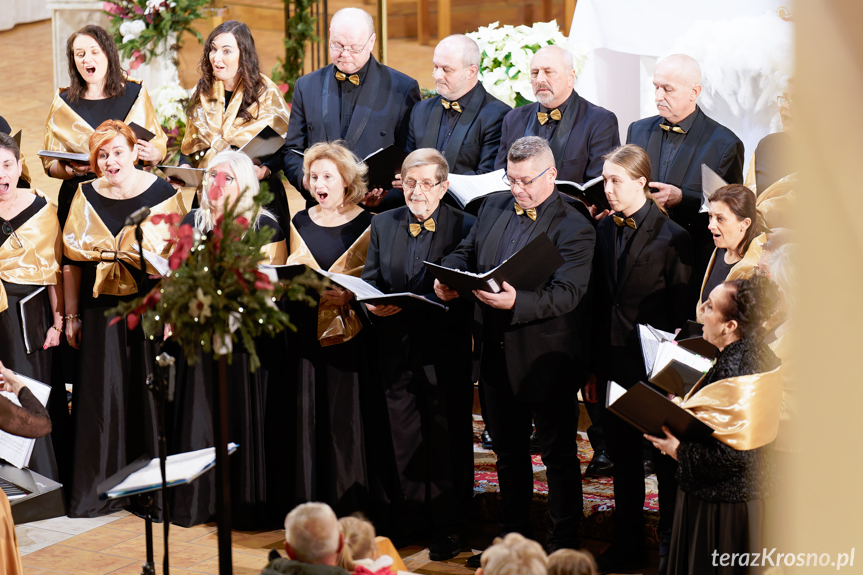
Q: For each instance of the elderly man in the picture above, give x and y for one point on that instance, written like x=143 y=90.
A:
x=313 y=542
x=532 y=342
x=355 y=99
x=579 y=132
x=425 y=358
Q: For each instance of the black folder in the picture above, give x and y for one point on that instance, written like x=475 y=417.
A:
x=34 y=311
x=17 y=138
x=266 y=143
x=592 y=191
x=691 y=337
x=648 y=410
x=65 y=156
x=383 y=166
x=527 y=269
x=142 y=133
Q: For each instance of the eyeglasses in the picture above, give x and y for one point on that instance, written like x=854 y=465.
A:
x=7 y=229
x=338 y=48
x=782 y=100
x=761 y=272
x=411 y=185
x=210 y=178
x=523 y=185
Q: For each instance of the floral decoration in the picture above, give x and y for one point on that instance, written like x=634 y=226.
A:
x=170 y=100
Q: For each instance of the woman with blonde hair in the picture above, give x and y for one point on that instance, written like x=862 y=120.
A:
x=571 y=562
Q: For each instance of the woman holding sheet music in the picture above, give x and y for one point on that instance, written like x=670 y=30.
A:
x=232 y=103
x=642 y=264
x=110 y=421
x=724 y=478
x=98 y=91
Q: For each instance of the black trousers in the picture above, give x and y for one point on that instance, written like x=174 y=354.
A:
x=509 y=423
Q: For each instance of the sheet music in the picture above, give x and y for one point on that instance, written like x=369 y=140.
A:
x=650 y=338
x=158 y=262
x=669 y=351
x=468 y=188
x=361 y=289
x=710 y=182
x=14 y=449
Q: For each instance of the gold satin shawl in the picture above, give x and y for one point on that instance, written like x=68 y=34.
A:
x=66 y=131
x=87 y=239
x=336 y=324
x=211 y=128
x=775 y=204
x=276 y=252
x=10 y=557
x=38 y=262
x=782 y=347
x=743 y=411
x=742 y=269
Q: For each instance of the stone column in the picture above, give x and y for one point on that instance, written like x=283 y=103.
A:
x=67 y=16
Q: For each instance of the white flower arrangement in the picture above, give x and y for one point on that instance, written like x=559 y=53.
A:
x=169 y=100
x=506 y=52
x=131 y=29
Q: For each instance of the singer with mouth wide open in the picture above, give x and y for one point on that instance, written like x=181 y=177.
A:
x=102 y=268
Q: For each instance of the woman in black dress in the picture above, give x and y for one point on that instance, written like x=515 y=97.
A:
x=247 y=392
x=98 y=91
x=111 y=415
x=30 y=253
x=725 y=478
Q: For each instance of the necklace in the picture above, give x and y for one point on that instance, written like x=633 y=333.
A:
x=15 y=199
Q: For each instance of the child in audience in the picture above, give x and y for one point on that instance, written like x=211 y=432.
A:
x=359 y=553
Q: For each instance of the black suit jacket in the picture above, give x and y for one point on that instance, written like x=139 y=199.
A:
x=380 y=119
x=594 y=133
x=544 y=337
x=707 y=142
x=651 y=290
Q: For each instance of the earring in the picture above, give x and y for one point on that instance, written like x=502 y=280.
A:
x=723 y=332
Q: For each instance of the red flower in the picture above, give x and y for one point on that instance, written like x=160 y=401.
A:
x=263 y=281
x=115 y=320
x=183 y=246
x=216 y=189
x=137 y=59
x=241 y=281
x=137 y=9
x=132 y=321
x=243 y=222
x=112 y=8
x=284 y=88
x=152 y=298
x=170 y=219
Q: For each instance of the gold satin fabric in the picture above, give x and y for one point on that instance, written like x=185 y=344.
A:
x=10 y=556
x=38 y=262
x=776 y=203
x=742 y=269
x=782 y=347
x=87 y=239
x=276 y=252
x=743 y=411
x=211 y=128
x=66 y=131
x=543 y=117
x=336 y=324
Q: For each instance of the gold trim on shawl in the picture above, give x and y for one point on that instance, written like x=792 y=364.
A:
x=38 y=262
x=276 y=252
x=66 y=131
x=776 y=201
x=87 y=239
x=743 y=411
x=211 y=128
x=336 y=324
x=742 y=269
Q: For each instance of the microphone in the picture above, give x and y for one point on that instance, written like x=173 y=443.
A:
x=137 y=217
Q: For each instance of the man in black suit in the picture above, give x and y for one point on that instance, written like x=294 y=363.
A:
x=425 y=357
x=531 y=342
x=355 y=99
x=678 y=141
x=579 y=132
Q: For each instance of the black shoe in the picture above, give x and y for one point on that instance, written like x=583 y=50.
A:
x=614 y=561
x=535 y=447
x=474 y=561
x=446 y=547
x=486 y=440
x=649 y=467
x=599 y=466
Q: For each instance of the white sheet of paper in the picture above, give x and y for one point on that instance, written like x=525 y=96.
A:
x=710 y=182
x=158 y=262
x=361 y=289
x=469 y=188
x=14 y=449
x=650 y=339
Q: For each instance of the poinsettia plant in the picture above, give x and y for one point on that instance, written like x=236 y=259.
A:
x=215 y=293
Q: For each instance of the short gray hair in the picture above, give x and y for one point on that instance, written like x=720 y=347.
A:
x=562 y=53
x=530 y=147
x=312 y=531
x=354 y=15
x=468 y=48
x=426 y=157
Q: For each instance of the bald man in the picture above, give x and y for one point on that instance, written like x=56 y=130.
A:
x=579 y=132
x=355 y=99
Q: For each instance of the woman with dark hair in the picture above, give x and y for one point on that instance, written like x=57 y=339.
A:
x=642 y=265
x=98 y=91
x=111 y=418
x=735 y=225
x=232 y=103
x=724 y=479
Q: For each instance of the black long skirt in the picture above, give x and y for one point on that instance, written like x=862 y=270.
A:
x=37 y=365
x=704 y=531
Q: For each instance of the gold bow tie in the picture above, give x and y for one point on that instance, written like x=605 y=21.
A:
x=625 y=222
x=531 y=212
x=543 y=117
x=676 y=129
x=353 y=78
x=415 y=229
x=454 y=105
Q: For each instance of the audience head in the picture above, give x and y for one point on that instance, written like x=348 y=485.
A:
x=733 y=218
x=552 y=75
x=456 y=64
x=359 y=538
x=625 y=173
x=424 y=177
x=352 y=39
x=571 y=562
x=113 y=151
x=785 y=109
x=737 y=309
x=234 y=174
x=530 y=171
x=676 y=86
x=513 y=555
x=335 y=176
x=93 y=61
x=312 y=534
x=11 y=165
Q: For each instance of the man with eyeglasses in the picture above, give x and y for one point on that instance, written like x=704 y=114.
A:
x=355 y=99
x=579 y=132
x=532 y=343
x=425 y=359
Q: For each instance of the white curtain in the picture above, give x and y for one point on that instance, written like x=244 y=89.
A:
x=22 y=11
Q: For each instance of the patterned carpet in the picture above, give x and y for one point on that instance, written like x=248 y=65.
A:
x=598 y=493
